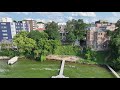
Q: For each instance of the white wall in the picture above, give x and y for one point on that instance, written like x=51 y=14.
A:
x=13 y=30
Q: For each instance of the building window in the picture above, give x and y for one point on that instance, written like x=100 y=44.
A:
x=4 y=30
x=5 y=34
x=101 y=33
x=5 y=37
x=3 y=23
x=3 y=27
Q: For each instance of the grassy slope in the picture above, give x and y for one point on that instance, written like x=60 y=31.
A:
x=31 y=69
x=86 y=71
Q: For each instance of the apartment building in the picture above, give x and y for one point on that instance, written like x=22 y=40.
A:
x=97 y=37
x=21 y=25
x=32 y=23
x=9 y=29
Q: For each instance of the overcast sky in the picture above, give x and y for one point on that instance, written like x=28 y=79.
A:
x=63 y=16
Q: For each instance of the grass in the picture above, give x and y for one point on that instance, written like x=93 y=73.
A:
x=100 y=56
x=74 y=70
x=30 y=69
x=25 y=68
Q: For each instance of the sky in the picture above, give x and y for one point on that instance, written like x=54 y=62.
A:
x=62 y=17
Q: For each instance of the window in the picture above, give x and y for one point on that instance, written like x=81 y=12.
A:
x=3 y=23
x=3 y=27
x=101 y=33
x=5 y=37
x=4 y=30
x=5 y=34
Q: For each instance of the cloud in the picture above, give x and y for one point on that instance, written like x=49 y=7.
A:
x=116 y=14
x=50 y=13
x=3 y=13
x=85 y=14
x=26 y=13
x=28 y=18
x=69 y=17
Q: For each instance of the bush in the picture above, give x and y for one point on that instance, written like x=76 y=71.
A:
x=9 y=53
x=83 y=61
x=43 y=58
x=67 y=50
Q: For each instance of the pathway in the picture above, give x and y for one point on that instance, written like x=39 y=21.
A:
x=61 y=71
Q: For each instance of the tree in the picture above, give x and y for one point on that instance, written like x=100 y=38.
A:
x=76 y=28
x=70 y=37
x=115 y=47
x=52 y=31
x=89 y=54
x=36 y=35
x=24 y=44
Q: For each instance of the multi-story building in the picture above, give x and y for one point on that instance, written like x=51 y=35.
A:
x=32 y=23
x=97 y=37
x=9 y=29
x=105 y=25
x=21 y=25
x=6 y=19
x=62 y=31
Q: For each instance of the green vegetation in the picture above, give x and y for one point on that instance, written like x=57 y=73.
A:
x=68 y=50
x=114 y=59
x=26 y=68
x=52 y=31
x=75 y=70
x=76 y=30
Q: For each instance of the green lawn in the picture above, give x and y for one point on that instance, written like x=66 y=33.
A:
x=74 y=70
x=32 y=69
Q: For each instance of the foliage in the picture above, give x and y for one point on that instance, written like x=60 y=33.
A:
x=36 y=35
x=9 y=53
x=89 y=54
x=115 y=47
x=5 y=44
x=83 y=61
x=70 y=37
x=52 y=31
x=76 y=30
x=67 y=50
x=24 y=44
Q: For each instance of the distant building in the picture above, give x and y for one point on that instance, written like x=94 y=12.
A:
x=32 y=23
x=9 y=29
x=62 y=31
x=40 y=26
x=6 y=19
x=21 y=25
x=97 y=37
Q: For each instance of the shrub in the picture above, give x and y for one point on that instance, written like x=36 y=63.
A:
x=67 y=50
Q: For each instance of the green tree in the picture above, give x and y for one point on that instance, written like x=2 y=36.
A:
x=76 y=28
x=70 y=37
x=24 y=44
x=36 y=35
x=52 y=31
x=115 y=47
